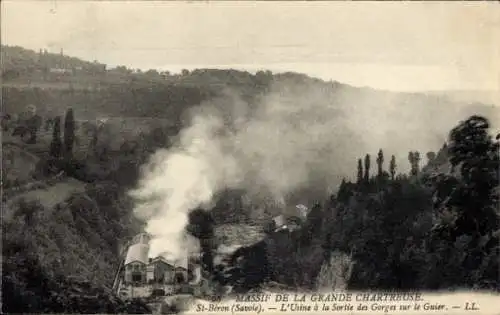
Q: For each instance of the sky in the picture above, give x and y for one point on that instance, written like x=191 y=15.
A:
x=399 y=46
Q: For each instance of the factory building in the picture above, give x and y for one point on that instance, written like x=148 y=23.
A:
x=159 y=270
x=139 y=269
x=137 y=260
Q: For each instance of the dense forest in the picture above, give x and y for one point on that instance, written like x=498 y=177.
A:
x=429 y=229
x=426 y=230
x=432 y=227
x=64 y=228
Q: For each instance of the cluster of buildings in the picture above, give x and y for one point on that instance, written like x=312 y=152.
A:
x=66 y=65
x=139 y=268
x=140 y=274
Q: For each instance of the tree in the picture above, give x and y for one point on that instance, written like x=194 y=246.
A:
x=122 y=69
x=95 y=130
x=360 y=171
x=33 y=125
x=430 y=156
x=367 y=167
x=414 y=158
x=201 y=225
x=69 y=133
x=49 y=123
x=411 y=159
x=343 y=193
x=56 y=144
x=442 y=155
x=392 y=167
x=313 y=225
x=380 y=162
x=152 y=73
x=467 y=207
x=158 y=138
x=473 y=149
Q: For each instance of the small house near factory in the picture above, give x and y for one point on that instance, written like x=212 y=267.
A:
x=181 y=274
x=159 y=270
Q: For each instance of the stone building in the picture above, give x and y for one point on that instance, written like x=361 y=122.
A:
x=159 y=270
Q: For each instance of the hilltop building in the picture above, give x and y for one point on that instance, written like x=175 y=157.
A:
x=60 y=64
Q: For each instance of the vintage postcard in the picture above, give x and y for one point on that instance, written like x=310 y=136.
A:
x=250 y=157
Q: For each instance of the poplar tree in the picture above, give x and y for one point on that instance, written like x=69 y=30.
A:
x=380 y=162
x=367 y=167
x=414 y=158
x=360 y=171
x=56 y=144
x=392 y=167
x=69 y=133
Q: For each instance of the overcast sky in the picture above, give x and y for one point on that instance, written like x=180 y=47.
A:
x=403 y=46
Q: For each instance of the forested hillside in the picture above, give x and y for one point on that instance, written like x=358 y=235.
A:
x=428 y=229
x=128 y=93
x=435 y=228
x=67 y=217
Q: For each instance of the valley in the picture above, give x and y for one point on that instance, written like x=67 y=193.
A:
x=268 y=145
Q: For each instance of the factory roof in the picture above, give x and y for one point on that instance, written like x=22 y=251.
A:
x=160 y=259
x=137 y=252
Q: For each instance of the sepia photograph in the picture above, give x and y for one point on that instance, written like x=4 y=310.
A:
x=166 y=157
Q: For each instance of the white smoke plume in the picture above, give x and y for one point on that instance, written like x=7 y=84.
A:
x=178 y=180
x=298 y=137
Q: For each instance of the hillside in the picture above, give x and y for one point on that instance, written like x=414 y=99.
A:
x=18 y=165
x=427 y=230
x=68 y=233
x=62 y=229
x=164 y=95
x=368 y=117
x=471 y=96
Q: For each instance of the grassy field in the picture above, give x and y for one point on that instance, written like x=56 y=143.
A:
x=49 y=196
